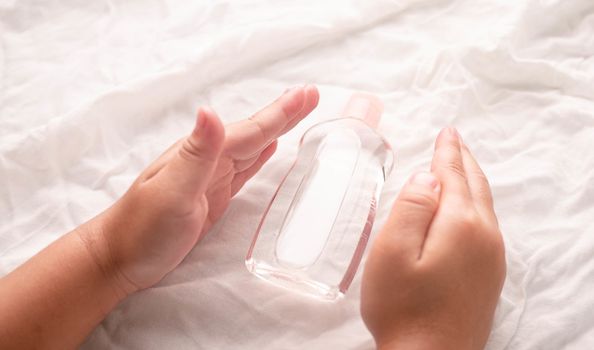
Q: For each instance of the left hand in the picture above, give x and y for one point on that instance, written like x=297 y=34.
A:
x=175 y=201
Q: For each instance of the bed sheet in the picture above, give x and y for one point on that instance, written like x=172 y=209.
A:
x=91 y=92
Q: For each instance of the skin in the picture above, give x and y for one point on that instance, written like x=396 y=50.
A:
x=436 y=269
x=54 y=300
x=417 y=292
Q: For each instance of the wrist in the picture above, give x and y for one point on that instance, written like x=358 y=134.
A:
x=423 y=341
x=96 y=242
x=59 y=295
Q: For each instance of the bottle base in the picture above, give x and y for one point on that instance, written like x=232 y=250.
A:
x=293 y=282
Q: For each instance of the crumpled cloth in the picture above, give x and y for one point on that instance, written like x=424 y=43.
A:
x=92 y=91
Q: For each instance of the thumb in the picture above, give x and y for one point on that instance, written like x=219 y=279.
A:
x=412 y=213
x=193 y=164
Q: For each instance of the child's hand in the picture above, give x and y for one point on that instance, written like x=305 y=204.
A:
x=436 y=270
x=181 y=195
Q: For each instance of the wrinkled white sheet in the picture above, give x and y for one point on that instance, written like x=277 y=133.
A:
x=92 y=91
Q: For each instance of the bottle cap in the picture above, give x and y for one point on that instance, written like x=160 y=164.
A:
x=364 y=106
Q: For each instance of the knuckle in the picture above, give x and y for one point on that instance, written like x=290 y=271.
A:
x=190 y=151
x=469 y=221
x=482 y=179
x=418 y=200
x=258 y=125
x=456 y=168
x=479 y=175
x=485 y=194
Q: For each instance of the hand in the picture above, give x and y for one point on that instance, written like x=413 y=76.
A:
x=181 y=195
x=436 y=270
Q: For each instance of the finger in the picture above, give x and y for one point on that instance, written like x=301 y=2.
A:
x=448 y=165
x=242 y=164
x=241 y=178
x=312 y=97
x=250 y=136
x=411 y=216
x=478 y=184
x=191 y=167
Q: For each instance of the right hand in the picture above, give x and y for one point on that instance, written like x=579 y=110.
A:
x=177 y=198
x=436 y=270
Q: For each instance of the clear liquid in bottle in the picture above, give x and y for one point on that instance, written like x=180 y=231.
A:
x=316 y=227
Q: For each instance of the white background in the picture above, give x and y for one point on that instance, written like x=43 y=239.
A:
x=92 y=91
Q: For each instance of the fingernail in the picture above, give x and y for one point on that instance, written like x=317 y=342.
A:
x=453 y=132
x=458 y=135
x=426 y=179
x=201 y=119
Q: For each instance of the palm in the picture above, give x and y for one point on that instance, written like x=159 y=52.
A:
x=219 y=194
x=250 y=143
x=182 y=194
x=220 y=190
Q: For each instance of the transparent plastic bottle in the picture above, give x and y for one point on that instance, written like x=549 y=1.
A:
x=315 y=229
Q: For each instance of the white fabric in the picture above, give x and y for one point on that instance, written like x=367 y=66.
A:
x=92 y=91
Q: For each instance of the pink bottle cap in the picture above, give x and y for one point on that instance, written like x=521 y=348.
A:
x=364 y=106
